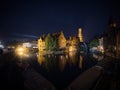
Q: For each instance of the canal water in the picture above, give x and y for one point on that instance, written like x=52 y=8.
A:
x=60 y=69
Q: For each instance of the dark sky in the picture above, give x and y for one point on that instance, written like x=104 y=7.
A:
x=30 y=18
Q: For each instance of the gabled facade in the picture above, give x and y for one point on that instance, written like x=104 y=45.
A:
x=41 y=44
x=63 y=43
x=58 y=36
x=61 y=40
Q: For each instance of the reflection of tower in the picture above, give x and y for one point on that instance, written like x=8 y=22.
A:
x=73 y=58
x=81 y=62
x=80 y=34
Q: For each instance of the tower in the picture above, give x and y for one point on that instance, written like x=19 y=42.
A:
x=80 y=34
x=112 y=22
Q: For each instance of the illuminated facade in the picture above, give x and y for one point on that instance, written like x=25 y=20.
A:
x=80 y=34
x=58 y=36
x=61 y=40
x=41 y=58
x=71 y=44
x=41 y=44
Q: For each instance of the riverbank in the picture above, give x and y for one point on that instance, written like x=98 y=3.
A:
x=35 y=81
x=93 y=78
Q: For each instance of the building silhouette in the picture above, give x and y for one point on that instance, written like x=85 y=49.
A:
x=111 y=39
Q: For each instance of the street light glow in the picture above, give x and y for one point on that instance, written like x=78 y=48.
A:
x=20 y=51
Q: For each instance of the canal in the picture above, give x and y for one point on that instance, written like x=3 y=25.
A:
x=59 y=69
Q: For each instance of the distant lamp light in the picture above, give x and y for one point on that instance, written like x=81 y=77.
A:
x=114 y=24
x=20 y=51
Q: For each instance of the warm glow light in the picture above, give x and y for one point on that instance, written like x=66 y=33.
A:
x=81 y=62
x=21 y=51
x=80 y=34
x=72 y=48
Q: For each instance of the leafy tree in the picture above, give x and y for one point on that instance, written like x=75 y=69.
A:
x=94 y=43
x=55 y=44
x=49 y=42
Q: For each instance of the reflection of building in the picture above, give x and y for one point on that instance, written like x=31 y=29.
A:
x=73 y=58
x=112 y=40
x=98 y=57
x=41 y=58
x=70 y=44
x=62 y=62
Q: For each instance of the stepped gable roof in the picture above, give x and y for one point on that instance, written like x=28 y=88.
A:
x=43 y=37
x=56 y=35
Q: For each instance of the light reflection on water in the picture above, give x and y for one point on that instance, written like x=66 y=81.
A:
x=71 y=59
x=60 y=69
x=98 y=56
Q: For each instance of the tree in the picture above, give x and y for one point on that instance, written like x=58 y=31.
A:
x=94 y=43
x=55 y=44
x=49 y=42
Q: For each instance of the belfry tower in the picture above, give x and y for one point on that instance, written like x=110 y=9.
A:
x=80 y=34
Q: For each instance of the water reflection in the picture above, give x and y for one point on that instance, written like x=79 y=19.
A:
x=98 y=56
x=81 y=62
x=60 y=62
x=41 y=58
x=60 y=69
x=73 y=58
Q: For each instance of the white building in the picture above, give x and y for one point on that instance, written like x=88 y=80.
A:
x=1 y=46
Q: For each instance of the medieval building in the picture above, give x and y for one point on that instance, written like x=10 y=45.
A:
x=41 y=44
x=60 y=38
x=70 y=44
x=111 y=40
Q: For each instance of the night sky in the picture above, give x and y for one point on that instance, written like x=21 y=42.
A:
x=30 y=19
